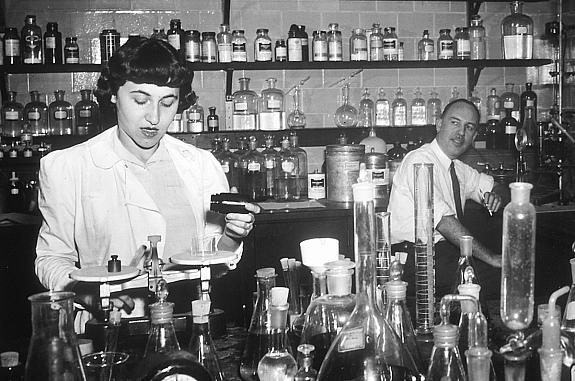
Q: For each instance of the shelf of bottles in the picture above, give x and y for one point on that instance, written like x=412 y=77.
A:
x=285 y=65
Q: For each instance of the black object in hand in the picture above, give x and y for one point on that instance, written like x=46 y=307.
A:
x=225 y=203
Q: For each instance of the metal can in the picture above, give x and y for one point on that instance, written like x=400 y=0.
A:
x=342 y=170
x=109 y=43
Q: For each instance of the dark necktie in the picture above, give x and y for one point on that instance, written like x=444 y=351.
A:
x=456 y=191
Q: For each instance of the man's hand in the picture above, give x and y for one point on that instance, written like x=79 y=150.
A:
x=493 y=260
x=238 y=226
x=492 y=201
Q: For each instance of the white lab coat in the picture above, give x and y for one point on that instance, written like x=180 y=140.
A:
x=92 y=206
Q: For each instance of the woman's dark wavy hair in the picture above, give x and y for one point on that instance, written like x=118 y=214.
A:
x=145 y=60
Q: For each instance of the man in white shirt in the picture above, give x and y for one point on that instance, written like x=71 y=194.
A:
x=456 y=131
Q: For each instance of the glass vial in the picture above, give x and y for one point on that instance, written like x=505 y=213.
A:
x=87 y=114
x=60 y=115
x=71 y=51
x=445 y=45
x=294 y=47
x=301 y=167
x=209 y=47
x=517 y=34
x=399 y=110
x=271 y=158
x=306 y=372
x=239 y=43
x=376 y=44
x=493 y=105
x=52 y=44
x=528 y=99
x=262 y=46
x=425 y=48
x=195 y=117
x=334 y=43
x=31 y=39
x=213 y=120
x=36 y=115
x=245 y=107
x=224 y=41
x=176 y=36
x=281 y=50
x=382 y=109
x=510 y=100
x=193 y=46
x=12 y=47
x=477 y=38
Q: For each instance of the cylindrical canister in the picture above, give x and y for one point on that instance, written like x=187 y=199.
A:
x=109 y=43
x=342 y=170
x=376 y=166
x=316 y=185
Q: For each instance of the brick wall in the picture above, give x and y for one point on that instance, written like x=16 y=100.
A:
x=86 y=18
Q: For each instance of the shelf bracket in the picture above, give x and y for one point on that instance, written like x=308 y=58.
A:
x=473 y=7
x=472 y=78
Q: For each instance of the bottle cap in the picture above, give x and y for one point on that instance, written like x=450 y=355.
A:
x=279 y=295
x=363 y=192
x=266 y=272
x=396 y=289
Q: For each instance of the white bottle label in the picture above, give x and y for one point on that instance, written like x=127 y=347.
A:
x=359 y=50
x=382 y=114
x=530 y=103
x=399 y=116
x=33 y=115
x=194 y=115
x=11 y=115
x=334 y=51
x=243 y=122
x=446 y=49
x=379 y=176
x=316 y=186
x=418 y=117
x=174 y=40
x=60 y=114
x=320 y=50
x=240 y=106
x=254 y=167
x=463 y=48
x=270 y=164
x=390 y=49
x=14 y=191
x=274 y=103
x=353 y=340
x=239 y=52
x=288 y=166
x=510 y=130
x=225 y=52
x=50 y=42
x=193 y=53
x=226 y=168
x=12 y=48
x=85 y=113
x=294 y=49
x=508 y=104
x=518 y=47
x=263 y=50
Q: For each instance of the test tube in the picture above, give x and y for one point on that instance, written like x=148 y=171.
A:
x=383 y=255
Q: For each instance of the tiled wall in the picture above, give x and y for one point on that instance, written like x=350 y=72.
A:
x=86 y=18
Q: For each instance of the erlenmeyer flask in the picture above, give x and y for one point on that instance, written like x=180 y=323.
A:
x=366 y=348
x=53 y=353
x=445 y=359
x=201 y=345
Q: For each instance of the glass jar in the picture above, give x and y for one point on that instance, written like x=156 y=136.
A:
x=358 y=45
x=418 y=109
x=510 y=101
x=517 y=34
x=224 y=41
x=286 y=181
x=334 y=43
x=445 y=45
x=376 y=44
x=477 y=38
x=462 y=44
x=390 y=45
x=31 y=39
x=252 y=173
x=12 y=116
x=346 y=114
x=193 y=46
x=87 y=114
x=239 y=43
x=281 y=51
x=271 y=113
x=209 y=47
x=528 y=99
x=229 y=163
x=262 y=46
x=213 y=120
x=319 y=45
x=366 y=110
x=245 y=107
x=176 y=35
x=425 y=48
x=493 y=105
x=60 y=115
x=433 y=108
x=294 y=48
x=382 y=118
x=71 y=51
x=52 y=44
x=195 y=117
x=12 y=48
x=399 y=110
x=36 y=115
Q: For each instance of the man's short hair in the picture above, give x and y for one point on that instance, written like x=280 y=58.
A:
x=460 y=100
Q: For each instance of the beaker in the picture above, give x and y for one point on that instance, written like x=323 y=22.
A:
x=53 y=353
x=106 y=366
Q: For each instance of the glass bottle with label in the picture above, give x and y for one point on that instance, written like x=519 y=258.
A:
x=281 y=50
x=224 y=41
x=425 y=48
x=213 y=120
x=477 y=38
x=418 y=109
x=12 y=47
x=239 y=43
x=252 y=174
x=245 y=104
x=389 y=45
x=31 y=39
x=304 y=43
x=509 y=125
x=60 y=115
x=176 y=36
x=12 y=116
x=366 y=110
x=334 y=43
x=36 y=115
x=358 y=45
x=319 y=45
x=209 y=47
x=398 y=45
x=229 y=163
x=493 y=105
x=510 y=100
x=271 y=158
x=433 y=108
x=528 y=99
x=294 y=48
x=366 y=347
x=382 y=118
x=462 y=44
x=346 y=114
x=445 y=45
x=399 y=110
x=52 y=44
x=71 y=51
x=87 y=114
x=296 y=118
x=517 y=34
x=271 y=113
x=376 y=44
x=301 y=166
x=195 y=117
x=193 y=46
x=286 y=181
x=262 y=46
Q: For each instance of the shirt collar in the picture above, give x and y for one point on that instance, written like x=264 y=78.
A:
x=159 y=155
x=444 y=160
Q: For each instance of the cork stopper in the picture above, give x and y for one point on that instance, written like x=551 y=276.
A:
x=469 y=289
x=466 y=245
x=279 y=316
x=339 y=274
x=266 y=272
x=201 y=311
x=279 y=295
x=161 y=312
x=396 y=289
x=363 y=192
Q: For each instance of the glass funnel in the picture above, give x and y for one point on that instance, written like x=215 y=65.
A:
x=366 y=348
x=53 y=353
x=346 y=115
